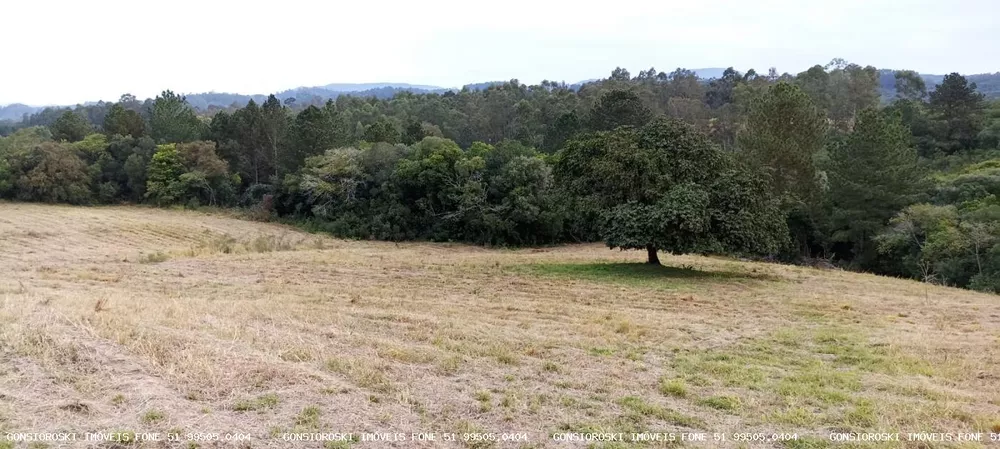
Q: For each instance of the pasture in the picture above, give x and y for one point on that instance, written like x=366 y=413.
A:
x=131 y=320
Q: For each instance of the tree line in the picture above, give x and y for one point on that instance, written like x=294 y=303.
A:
x=787 y=167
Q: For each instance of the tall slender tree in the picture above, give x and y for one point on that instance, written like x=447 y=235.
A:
x=958 y=112
x=873 y=175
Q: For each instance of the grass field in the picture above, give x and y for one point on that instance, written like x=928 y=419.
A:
x=139 y=320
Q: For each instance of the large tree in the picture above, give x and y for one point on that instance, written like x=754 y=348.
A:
x=958 y=111
x=172 y=120
x=873 y=175
x=124 y=122
x=666 y=186
x=53 y=173
x=312 y=133
x=909 y=85
x=274 y=124
x=70 y=127
x=618 y=107
x=784 y=131
x=783 y=134
x=841 y=89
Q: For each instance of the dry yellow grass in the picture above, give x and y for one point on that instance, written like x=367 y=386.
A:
x=148 y=320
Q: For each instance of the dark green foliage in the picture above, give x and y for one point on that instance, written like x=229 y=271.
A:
x=188 y=173
x=946 y=244
x=667 y=187
x=381 y=131
x=255 y=141
x=616 y=108
x=274 y=125
x=841 y=89
x=565 y=128
x=909 y=85
x=989 y=137
x=958 y=113
x=53 y=173
x=784 y=134
x=953 y=241
x=70 y=127
x=313 y=131
x=124 y=122
x=495 y=195
x=6 y=179
x=126 y=166
x=171 y=119
x=915 y=116
x=720 y=91
x=873 y=174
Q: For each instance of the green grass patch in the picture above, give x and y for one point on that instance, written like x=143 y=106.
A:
x=850 y=350
x=635 y=274
x=601 y=352
x=796 y=416
x=257 y=404
x=818 y=384
x=732 y=369
x=642 y=408
x=863 y=415
x=673 y=387
x=308 y=418
x=818 y=370
x=485 y=401
x=725 y=403
x=152 y=416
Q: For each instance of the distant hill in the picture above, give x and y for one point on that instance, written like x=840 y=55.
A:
x=15 y=112
x=361 y=87
x=306 y=95
x=986 y=83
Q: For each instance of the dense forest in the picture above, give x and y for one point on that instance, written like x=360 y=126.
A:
x=822 y=165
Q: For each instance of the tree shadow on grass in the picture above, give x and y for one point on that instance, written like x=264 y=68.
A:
x=637 y=273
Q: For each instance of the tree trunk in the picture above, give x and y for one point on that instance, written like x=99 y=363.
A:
x=653 y=259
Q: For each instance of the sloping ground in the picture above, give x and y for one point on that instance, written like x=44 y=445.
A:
x=122 y=320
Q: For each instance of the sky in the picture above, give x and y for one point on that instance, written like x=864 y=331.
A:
x=67 y=52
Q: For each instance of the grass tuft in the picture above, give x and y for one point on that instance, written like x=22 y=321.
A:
x=673 y=387
x=308 y=418
x=153 y=416
x=725 y=403
x=643 y=408
x=260 y=403
x=363 y=373
x=156 y=257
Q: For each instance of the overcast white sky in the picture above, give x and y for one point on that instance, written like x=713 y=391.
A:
x=65 y=52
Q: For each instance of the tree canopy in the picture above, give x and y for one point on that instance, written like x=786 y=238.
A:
x=837 y=162
x=667 y=187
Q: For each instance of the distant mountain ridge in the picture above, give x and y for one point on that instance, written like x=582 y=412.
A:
x=16 y=111
x=988 y=84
